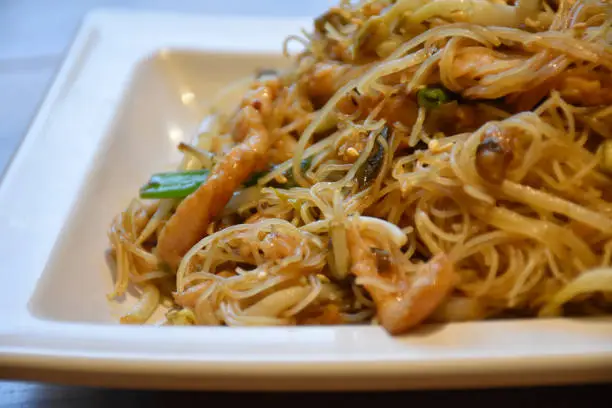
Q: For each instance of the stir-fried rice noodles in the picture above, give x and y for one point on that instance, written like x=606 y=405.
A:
x=420 y=161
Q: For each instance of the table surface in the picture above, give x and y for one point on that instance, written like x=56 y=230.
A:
x=34 y=36
x=25 y=395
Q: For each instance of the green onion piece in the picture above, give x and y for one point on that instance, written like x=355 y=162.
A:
x=173 y=184
x=180 y=184
x=433 y=97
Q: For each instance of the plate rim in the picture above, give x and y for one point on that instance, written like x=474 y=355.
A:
x=42 y=363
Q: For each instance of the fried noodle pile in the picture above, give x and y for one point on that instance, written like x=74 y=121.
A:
x=420 y=161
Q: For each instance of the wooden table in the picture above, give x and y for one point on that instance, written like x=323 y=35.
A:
x=33 y=38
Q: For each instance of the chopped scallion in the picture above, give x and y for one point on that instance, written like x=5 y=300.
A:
x=433 y=97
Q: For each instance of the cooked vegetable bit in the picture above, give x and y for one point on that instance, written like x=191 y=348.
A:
x=369 y=170
x=177 y=184
x=432 y=97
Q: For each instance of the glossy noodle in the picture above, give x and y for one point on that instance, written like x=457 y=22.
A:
x=420 y=161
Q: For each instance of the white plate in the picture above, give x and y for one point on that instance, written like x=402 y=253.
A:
x=132 y=86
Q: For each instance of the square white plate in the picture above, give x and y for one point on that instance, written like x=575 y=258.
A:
x=132 y=86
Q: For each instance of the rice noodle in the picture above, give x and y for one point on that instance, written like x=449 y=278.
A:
x=145 y=306
x=409 y=141
x=597 y=280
